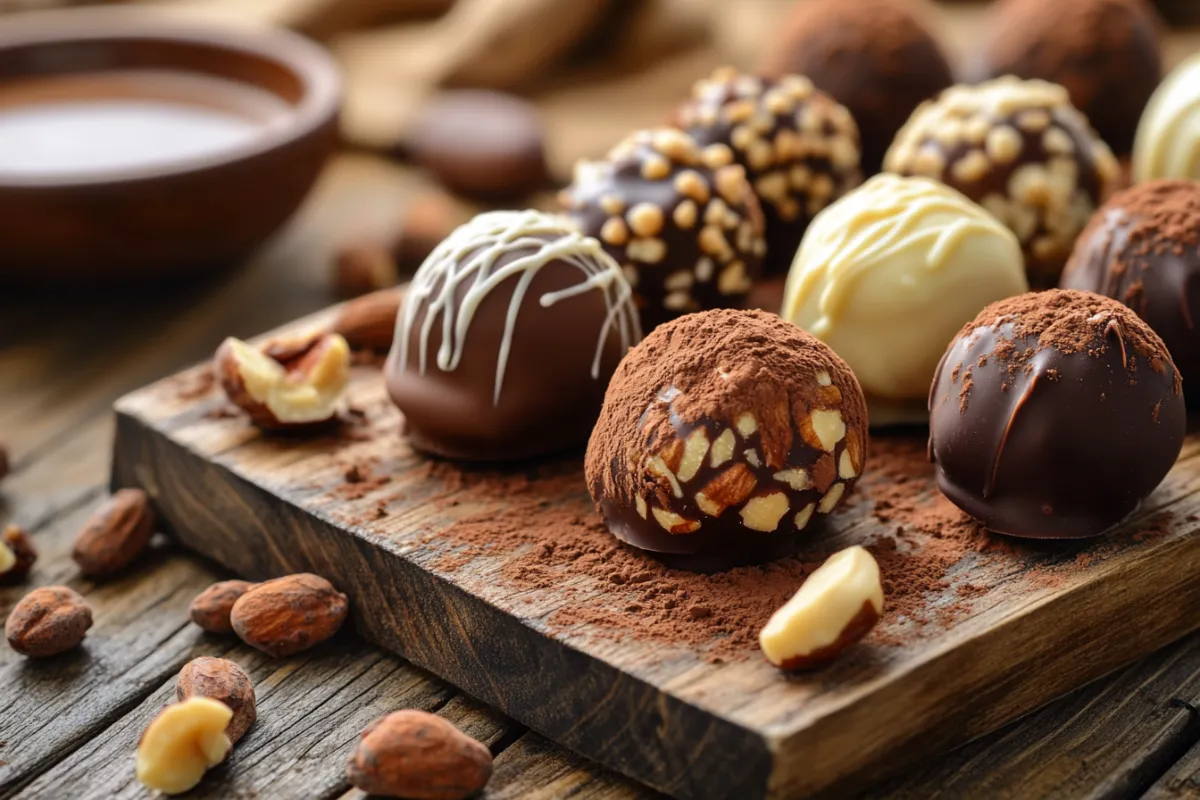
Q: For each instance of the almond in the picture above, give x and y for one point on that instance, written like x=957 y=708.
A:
x=115 y=534
x=420 y=756
x=211 y=608
x=731 y=488
x=224 y=681
x=289 y=614
x=48 y=621
x=369 y=322
x=17 y=555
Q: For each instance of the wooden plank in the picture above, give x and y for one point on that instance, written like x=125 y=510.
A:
x=657 y=710
x=1182 y=782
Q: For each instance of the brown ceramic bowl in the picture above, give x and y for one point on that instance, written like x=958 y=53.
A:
x=136 y=144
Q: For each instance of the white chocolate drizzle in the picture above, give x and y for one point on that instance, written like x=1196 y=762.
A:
x=468 y=257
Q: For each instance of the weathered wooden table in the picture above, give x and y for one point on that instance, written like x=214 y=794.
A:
x=68 y=726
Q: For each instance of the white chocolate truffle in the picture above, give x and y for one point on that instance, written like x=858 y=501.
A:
x=888 y=274
x=1168 y=137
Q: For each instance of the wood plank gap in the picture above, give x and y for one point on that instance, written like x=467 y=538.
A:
x=1143 y=768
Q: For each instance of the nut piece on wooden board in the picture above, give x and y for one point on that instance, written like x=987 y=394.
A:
x=224 y=681
x=17 y=555
x=419 y=756
x=48 y=621
x=369 y=322
x=835 y=607
x=289 y=614
x=182 y=742
x=211 y=608
x=115 y=534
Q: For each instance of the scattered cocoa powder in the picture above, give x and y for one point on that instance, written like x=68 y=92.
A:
x=196 y=384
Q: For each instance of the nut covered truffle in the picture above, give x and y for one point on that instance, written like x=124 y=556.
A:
x=1143 y=249
x=876 y=57
x=1105 y=53
x=681 y=220
x=507 y=337
x=1022 y=151
x=722 y=435
x=1054 y=414
x=800 y=148
x=887 y=275
x=1168 y=135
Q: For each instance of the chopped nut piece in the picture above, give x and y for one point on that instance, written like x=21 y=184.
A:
x=672 y=522
x=181 y=743
x=286 y=384
x=763 y=513
x=722 y=448
x=17 y=554
x=694 y=451
x=831 y=498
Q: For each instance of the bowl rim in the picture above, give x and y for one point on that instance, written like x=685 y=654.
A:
x=314 y=67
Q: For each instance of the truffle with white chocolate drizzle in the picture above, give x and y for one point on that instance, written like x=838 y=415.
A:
x=681 y=220
x=1023 y=152
x=723 y=434
x=507 y=337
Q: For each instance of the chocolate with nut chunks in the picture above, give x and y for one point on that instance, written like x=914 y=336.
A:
x=1143 y=249
x=1054 y=414
x=723 y=434
x=799 y=146
x=680 y=220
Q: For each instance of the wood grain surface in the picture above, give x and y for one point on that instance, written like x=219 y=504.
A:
x=650 y=707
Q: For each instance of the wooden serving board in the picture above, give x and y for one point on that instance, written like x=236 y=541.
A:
x=998 y=628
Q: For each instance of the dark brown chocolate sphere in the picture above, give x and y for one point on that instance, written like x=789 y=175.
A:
x=724 y=434
x=1143 y=249
x=681 y=220
x=799 y=146
x=1023 y=152
x=1054 y=414
x=1104 y=52
x=876 y=57
x=506 y=338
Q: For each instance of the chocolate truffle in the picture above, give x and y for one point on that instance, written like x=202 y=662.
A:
x=1143 y=249
x=1168 y=136
x=1022 y=151
x=722 y=435
x=876 y=57
x=1054 y=414
x=681 y=220
x=887 y=275
x=800 y=148
x=1104 y=52
x=507 y=337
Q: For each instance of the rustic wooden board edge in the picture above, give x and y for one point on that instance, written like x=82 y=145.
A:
x=620 y=721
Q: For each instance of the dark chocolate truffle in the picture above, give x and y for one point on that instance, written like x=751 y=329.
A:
x=507 y=337
x=799 y=146
x=1023 y=152
x=876 y=57
x=1104 y=52
x=682 y=222
x=1143 y=249
x=1054 y=414
x=724 y=434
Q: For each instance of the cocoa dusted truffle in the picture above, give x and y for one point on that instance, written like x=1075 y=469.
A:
x=1054 y=414
x=507 y=337
x=876 y=57
x=1023 y=152
x=1168 y=135
x=724 y=434
x=681 y=220
x=1143 y=249
x=799 y=146
x=1104 y=52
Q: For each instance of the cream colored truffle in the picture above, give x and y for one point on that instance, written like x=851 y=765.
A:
x=888 y=274
x=1168 y=137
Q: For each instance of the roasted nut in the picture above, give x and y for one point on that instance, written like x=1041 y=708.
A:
x=289 y=614
x=115 y=534
x=420 y=756
x=836 y=606
x=181 y=743
x=285 y=384
x=430 y=218
x=222 y=680
x=17 y=555
x=363 y=267
x=369 y=322
x=48 y=621
x=211 y=608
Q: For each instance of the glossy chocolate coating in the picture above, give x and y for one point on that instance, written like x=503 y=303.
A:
x=682 y=222
x=1130 y=256
x=1039 y=443
x=550 y=394
x=799 y=146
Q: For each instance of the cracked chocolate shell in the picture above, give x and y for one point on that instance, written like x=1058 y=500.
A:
x=722 y=436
